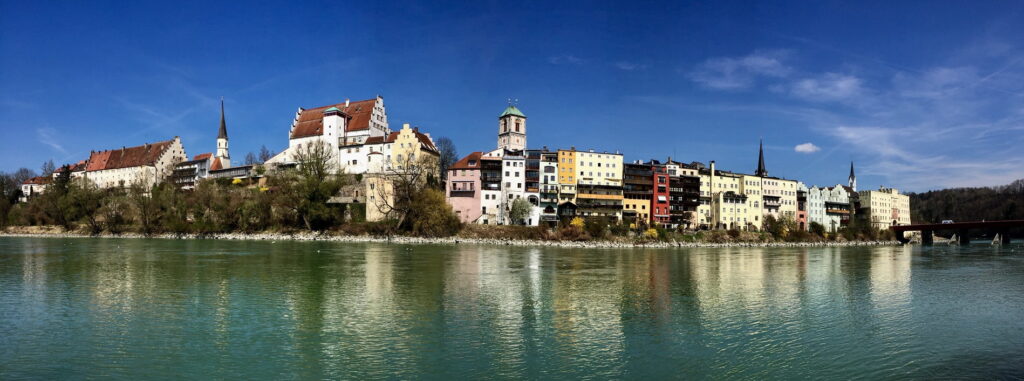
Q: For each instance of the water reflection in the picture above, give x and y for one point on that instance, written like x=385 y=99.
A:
x=322 y=310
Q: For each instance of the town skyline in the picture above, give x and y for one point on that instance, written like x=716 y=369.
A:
x=944 y=114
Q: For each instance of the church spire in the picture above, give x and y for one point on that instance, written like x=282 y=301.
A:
x=852 y=178
x=223 y=133
x=761 y=170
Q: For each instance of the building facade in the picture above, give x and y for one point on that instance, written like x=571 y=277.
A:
x=884 y=207
x=146 y=165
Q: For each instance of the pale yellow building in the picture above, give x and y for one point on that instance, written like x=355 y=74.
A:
x=885 y=207
x=729 y=200
x=779 y=197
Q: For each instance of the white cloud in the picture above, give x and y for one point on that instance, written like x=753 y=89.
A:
x=565 y=59
x=729 y=73
x=46 y=136
x=630 y=66
x=806 y=148
x=828 y=87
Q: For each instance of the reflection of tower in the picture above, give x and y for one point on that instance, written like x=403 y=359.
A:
x=853 y=178
x=512 y=129
x=761 y=170
x=222 y=139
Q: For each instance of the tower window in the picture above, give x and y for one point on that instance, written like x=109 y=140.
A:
x=517 y=125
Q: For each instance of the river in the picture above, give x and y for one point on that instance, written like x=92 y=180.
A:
x=205 y=309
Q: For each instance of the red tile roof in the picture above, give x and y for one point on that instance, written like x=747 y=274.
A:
x=464 y=162
x=203 y=156
x=311 y=122
x=76 y=167
x=216 y=164
x=146 y=154
x=38 y=180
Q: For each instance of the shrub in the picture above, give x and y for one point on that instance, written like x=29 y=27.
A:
x=651 y=234
x=431 y=216
x=817 y=229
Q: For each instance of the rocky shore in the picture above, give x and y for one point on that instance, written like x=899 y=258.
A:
x=308 y=236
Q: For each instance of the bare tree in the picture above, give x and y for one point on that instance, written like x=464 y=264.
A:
x=398 y=185
x=265 y=154
x=21 y=175
x=448 y=155
x=250 y=159
x=305 y=190
x=48 y=168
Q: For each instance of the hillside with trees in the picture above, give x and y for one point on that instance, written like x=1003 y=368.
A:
x=969 y=204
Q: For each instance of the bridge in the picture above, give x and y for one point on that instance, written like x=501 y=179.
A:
x=1000 y=228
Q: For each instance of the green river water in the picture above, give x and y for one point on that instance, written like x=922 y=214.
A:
x=133 y=309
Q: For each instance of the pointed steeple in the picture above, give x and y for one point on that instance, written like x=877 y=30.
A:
x=853 y=178
x=761 y=170
x=223 y=133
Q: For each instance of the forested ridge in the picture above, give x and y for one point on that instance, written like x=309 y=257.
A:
x=969 y=204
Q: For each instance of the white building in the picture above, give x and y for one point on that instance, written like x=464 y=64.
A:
x=345 y=127
x=147 y=164
x=829 y=206
x=885 y=207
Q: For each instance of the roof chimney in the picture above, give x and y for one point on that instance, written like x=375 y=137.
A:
x=346 y=102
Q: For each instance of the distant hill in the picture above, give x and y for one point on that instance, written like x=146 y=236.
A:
x=969 y=204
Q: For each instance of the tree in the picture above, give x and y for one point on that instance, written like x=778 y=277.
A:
x=396 y=188
x=448 y=155
x=265 y=154
x=146 y=207
x=431 y=216
x=82 y=201
x=21 y=175
x=304 y=191
x=519 y=211
x=250 y=159
x=817 y=229
x=48 y=168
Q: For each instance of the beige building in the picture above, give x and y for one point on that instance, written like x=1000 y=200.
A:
x=779 y=197
x=406 y=153
x=596 y=180
x=885 y=207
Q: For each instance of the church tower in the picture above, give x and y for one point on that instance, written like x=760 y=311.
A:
x=761 y=170
x=852 y=179
x=222 y=139
x=512 y=129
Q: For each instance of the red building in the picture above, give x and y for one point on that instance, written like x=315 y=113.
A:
x=660 y=210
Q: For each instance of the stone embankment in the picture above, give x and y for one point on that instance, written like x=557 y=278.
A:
x=307 y=236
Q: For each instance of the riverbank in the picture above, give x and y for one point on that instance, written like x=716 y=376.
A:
x=37 y=231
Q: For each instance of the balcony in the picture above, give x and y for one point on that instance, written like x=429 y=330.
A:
x=462 y=193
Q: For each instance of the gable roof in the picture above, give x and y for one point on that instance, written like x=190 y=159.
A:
x=146 y=154
x=38 y=180
x=216 y=164
x=311 y=121
x=202 y=156
x=464 y=162
x=423 y=138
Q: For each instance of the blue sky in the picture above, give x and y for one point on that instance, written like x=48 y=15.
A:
x=920 y=96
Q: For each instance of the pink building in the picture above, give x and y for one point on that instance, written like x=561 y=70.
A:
x=462 y=190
